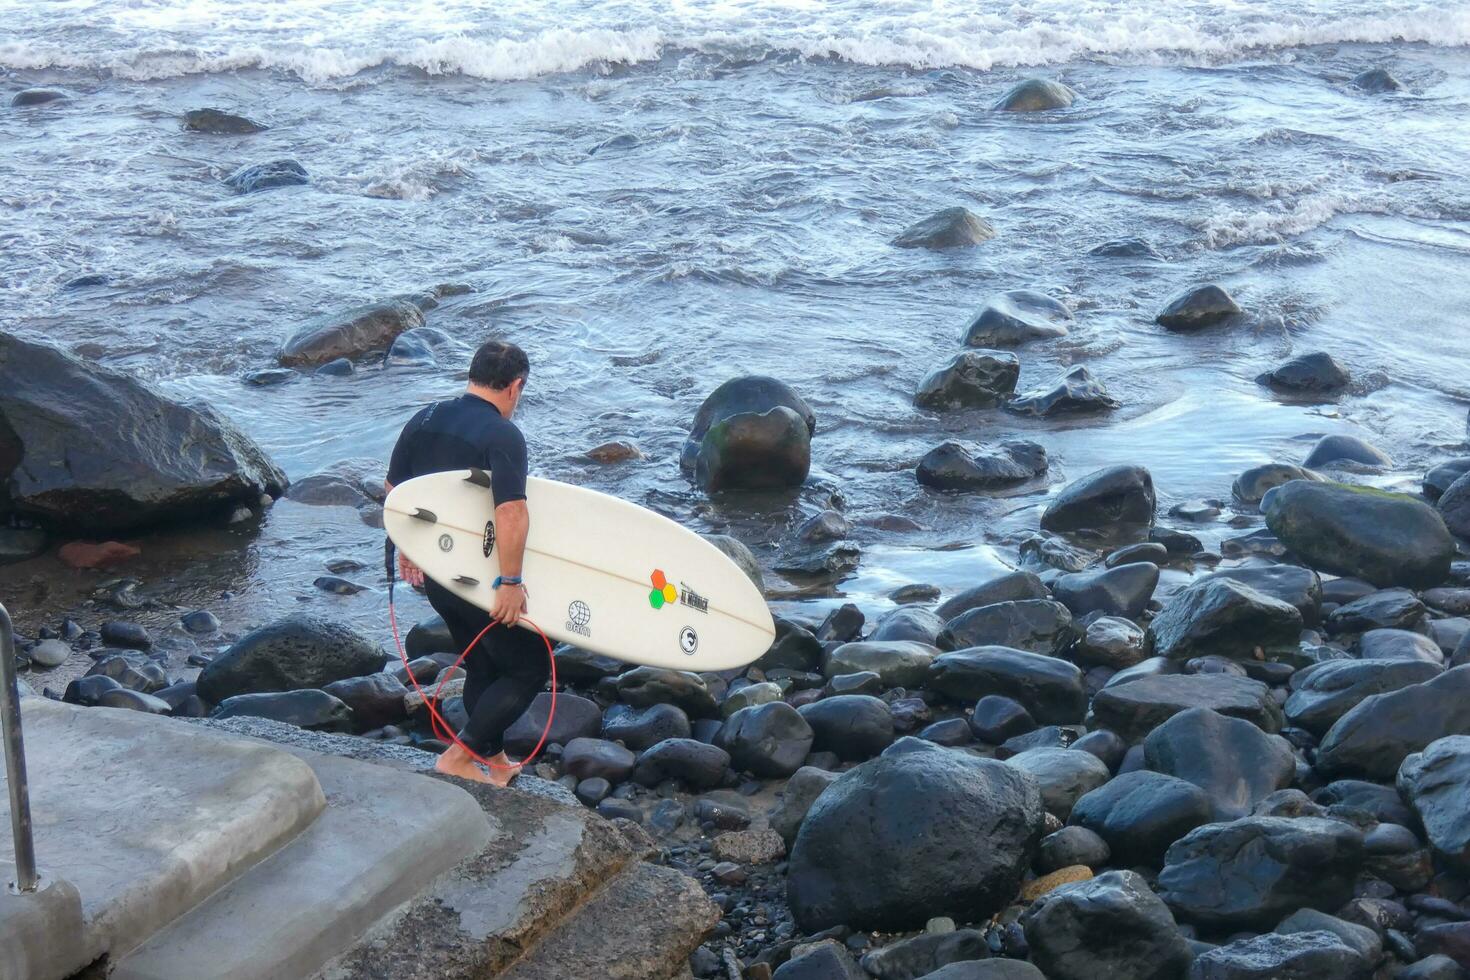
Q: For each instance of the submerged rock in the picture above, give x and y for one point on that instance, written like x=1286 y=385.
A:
x=972 y=379
x=1036 y=95
x=350 y=333
x=1200 y=307
x=263 y=176
x=220 y=121
x=1317 y=373
x=1126 y=248
x=1102 y=500
x=955 y=466
x=1075 y=392
x=1015 y=317
x=1377 y=81
x=762 y=436
x=1338 y=450
x=95 y=450
x=950 y=228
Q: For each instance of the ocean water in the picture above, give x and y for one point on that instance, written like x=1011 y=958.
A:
x=654 y=197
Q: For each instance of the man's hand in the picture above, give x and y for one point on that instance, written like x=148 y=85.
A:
x=510 y=603
x=410 y=572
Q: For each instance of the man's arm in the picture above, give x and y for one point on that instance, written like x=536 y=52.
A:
x=512 y=524
x=407 y=570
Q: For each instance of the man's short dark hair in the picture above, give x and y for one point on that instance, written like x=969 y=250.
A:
x=497 y=364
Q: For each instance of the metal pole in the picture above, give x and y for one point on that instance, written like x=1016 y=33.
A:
x=15 y=760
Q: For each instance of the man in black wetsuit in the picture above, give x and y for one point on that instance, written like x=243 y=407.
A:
x=508 y=667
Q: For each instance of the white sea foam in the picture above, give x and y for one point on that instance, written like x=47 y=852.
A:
x=325 y=40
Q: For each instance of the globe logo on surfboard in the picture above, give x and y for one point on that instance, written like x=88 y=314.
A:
x=579 y=614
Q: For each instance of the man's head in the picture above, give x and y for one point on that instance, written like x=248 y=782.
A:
x=498 y=373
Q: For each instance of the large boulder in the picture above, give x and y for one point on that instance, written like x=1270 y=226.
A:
x=1386 y=538
x=312 y=709
x=956 y=466
x=751 y=433
x=1037 y=625
x=693 y=763
x=1436 y=783
x=1232 y=760
x=301 y=652
x=1036 y=95
x=1225 y=617
x=645 y=686
x=950 y=228
x=1251 y=873
x=893 y=842
x=574 y=717
x=1297 y=956
x=1122 y=591
x=898 y=663
x=1007 y=587
x=1074 y=392
x=88 y=449
x=1016 y=317
x=1102 y=500
x=1197 y=308
x=1373 y=738
x=350 y=333
x=1327 y=691
x=1052 y=690
x=1110 y=926
x=771 y=740
x=1137 y=707
x=1301 y=587
x=1140 y=814
x=854 y=727
x=972 y=379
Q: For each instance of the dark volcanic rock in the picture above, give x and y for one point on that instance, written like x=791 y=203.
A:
x=997 y=718
x=1075 y=392
x=1140 y=814
x=1327 y=691
x=1373 y=739
x=1317 y=373
x=795 y=648
x=852 y=726
x=287 y=655
x=1386 y=538
x=827 y=961
x=1442 y=477
x=1454 y=507
x=1036 y=95
x=1037 y=625
x=972 y=379
x=1200 y=307
x=891 y=843
x=1301 y=587
x=1111 y=926
x=1388 y=644
x=220 y=122
x=1064 y=775
x=801 y=791
x=908 y=623
x=350 y=333
x=923 y=954
x=1069 y=847
x=1377 y=81
x=263 y=176
x=1337 y=450
x=1252 y=872
x=1299 y=956
x=644 y=686
x=304 y=709
x=770 y=740
x=1232 y=760
x=1395 y=609
x=575 y=717
x=1016 y=317
x=89 y=449
x=746 y=395
x=1138 y=707
x=697 y=765
x=899 y=663
x=1122 y=591
x=751 y=433
x=1051 y=690
x=955 y=466
x=641 y=728
x=37 y=96
x=375 y=699
x=594 y=758
x=1436 y=783
x=1108 y=641
x=1101 y=500
x=950 y=228
x=1004 y=588
x=1223 y=616
x=1253 y=484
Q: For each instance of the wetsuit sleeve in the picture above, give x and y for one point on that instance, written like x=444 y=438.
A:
x=506 y=460
x=400 y=464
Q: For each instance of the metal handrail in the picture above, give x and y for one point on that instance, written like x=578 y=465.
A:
x=15 y=760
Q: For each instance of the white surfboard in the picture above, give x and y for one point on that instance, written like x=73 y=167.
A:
x=601 y=573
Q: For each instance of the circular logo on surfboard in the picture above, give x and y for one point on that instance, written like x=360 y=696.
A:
x=688 y=640
x=446 y=543
x=579 y=614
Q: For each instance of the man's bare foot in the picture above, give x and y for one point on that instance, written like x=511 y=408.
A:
x=502 y=770
x=455 y=761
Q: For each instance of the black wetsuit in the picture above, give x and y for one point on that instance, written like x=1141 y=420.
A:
x=508 y=667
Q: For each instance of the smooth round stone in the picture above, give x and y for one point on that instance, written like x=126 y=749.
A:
x=1390 y=838
x=200 y=622
x=593 y=791
x=49 y=653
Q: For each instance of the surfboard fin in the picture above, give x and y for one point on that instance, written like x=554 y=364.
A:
x=427 y=516
x=478 y=477
x=465 y=580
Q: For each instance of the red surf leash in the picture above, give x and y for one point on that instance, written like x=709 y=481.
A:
x=442 y=729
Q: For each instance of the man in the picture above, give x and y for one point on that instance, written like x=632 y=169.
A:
x=508 y=667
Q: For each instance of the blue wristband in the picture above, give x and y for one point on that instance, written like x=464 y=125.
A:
x=505 y=580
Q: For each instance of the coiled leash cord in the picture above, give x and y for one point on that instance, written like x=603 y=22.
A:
x=442 y=729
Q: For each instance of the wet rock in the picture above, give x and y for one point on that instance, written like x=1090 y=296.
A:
x=1140 y=814
x=1010 y=587
x=1442 y=477
x=1122 y=591
x=1138 y=707
x=1377 y=81
x=335 y=585
x=134 y=701
x=220 y=122
x=921 y=955
x=1301 y=587
x=1147 y=552
x=375 y=699
x=801 y=791
x=1373 y=738
x=957 y=466
x=88 y=691
x=1337 y=450
x=1317 y=373
x=1036 y=95
x=748 y=395
x=1386 y=538
x=594 y=758
x=1198 y=308
x=1360 y=938
x=641 y=728
x=1450 y=939
x=900 y=663
x=695 y=764
x=575 y=717
x=591 y=792
x=96 y=450
x=350 y=333
x=28 y=97
x=1103 y=499
x=1126 y=248
x=1388 y=609
x=1074 y=393
x=1112 y=925
x=950 y=228
x=997 y=718
x=288 y=655
x=908 y=623
x=996 y=969
x=794 y=648
x=1104 y=744
x=645 y=686
x=1251 y=872
x=853 y=726
x=769 y=740
x=267 y=377
x=1070 y=847
x=848 y=868
x=827 y=961
x=1232 y=760
x=754 y=451
x=742 y=556
x=1301 y=956
x=1454 y=507
x=948 y=732
x=1330 y=690
x=200 y=622
x=1037 y=625
x=1051 y=690
x=49 y=653
x=414 y=348
x=972 y=379
x=310 y=709
x=1253 y=484
x=1223 y=616
x=21 y=544
x=1436 y=783
x=263 y=176
x=749 y=696
x=1017 y=317
x=131 y=671
x=1064 y=775
x=1436 y=967
x=1108 y=641
x=1382 y=803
